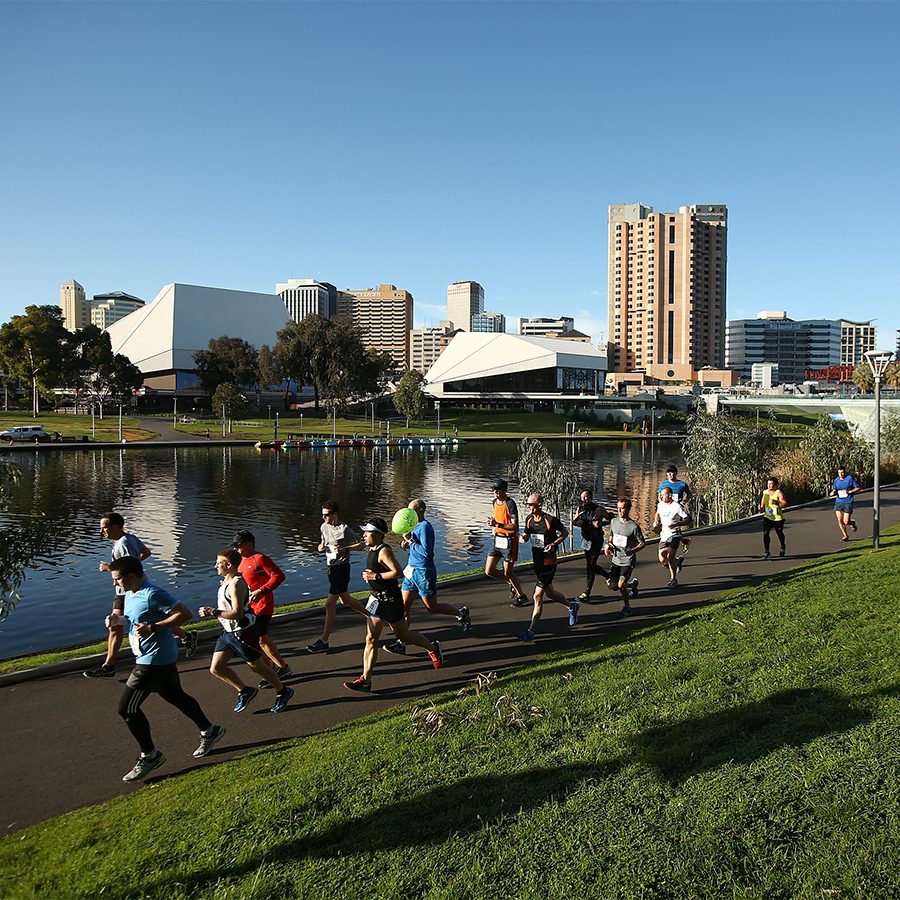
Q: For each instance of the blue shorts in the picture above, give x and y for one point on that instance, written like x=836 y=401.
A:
x=244 y=643
x=423 y=582
x=844 y=506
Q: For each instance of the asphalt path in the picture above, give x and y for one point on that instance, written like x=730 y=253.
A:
x=64 y=747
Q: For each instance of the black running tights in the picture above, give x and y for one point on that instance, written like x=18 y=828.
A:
x=768 y=525
x=591 y=559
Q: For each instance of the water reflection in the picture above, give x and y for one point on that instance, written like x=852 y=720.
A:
x=186 y=504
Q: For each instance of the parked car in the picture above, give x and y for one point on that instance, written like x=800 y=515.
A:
x=33 y=433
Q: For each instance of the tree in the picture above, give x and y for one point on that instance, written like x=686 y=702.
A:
x=93 y=368
x=230 y=402
x=863 y=378
x=892 y=376
x=31 y=349
x=274 y=369
x=538 y=472
x=227 y=359
x=827 y=444
x=409 y=398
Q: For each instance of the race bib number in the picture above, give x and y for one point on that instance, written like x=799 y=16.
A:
x=620 y=541
x=537 y=540
x=843 y=494
x=408 y=572
x=135 y=643
x=585 y=544
x=501 y=542
x=372 y=605
x=331 y=554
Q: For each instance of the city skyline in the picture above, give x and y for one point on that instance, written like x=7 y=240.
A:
x=183 y=167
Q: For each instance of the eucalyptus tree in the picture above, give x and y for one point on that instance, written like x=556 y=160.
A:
x=227 y=359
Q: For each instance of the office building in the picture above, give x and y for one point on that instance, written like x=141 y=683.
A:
x=385 y=316
x=764 y=375
x=666 y=305
x=109 y=308
x=544 y=327
x=427 y=344
x=75 y=308
x=488 y=322
x=464 y=300
x=304 y=297
x=857 y=339
x=792 y=346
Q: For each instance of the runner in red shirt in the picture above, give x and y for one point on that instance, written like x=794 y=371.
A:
x=262 y=576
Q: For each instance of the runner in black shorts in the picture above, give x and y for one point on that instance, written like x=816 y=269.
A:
x=626 y=540
x=590 y=519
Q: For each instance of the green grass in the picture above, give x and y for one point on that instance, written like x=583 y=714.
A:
x=747 y=748
x=74 y=427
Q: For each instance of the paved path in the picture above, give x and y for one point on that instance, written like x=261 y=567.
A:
x=64 y=747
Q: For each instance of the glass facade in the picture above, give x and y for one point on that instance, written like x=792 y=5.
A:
x=554 y=380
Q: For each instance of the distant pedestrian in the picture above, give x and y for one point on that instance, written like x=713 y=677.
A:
x=545 y=533
x=843 y=488
x=772 y=505
x=671 y=516
x=504 y=520
x=150 y=614
x=240 y=637
x=591 y=519
x=626 y=540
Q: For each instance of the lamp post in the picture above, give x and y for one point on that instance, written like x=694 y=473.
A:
x=878 y=361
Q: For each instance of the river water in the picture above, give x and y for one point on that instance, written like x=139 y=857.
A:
x=186 y=504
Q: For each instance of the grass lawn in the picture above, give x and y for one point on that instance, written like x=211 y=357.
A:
x=72 y=428
x=746 y=748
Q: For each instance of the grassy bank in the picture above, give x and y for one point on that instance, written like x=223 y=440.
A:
x=73 y=428
x=747 y=748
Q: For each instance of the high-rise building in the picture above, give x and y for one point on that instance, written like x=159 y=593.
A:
x=666 y=305
x=427 y=344
x=490 y=322
x=464 y=300
x=545 y=327
x=792 y=346
x=75 y=308
x=385 y=316
x=304 y=297
x=857 y=339
x=109 y=308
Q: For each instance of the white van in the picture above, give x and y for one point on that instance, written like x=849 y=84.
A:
x=25 y=433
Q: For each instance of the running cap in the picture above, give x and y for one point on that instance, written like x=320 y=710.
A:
x=499 y=485
x=243 y=537
x=376 y=523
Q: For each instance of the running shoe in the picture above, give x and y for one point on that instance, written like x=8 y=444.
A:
x=767 y=555
x=526 y=636
x=672 y=584
x=520 y=601
x=679 y=564
x=317 y=646
x=844 y=539
x=189 y=643
x=359 y=685
x=686 y=544
x=208 y=739
x=781 y=551
x=626 y=611
x=464 y=619
x=583 y=596
x=144 y=766
x=245 y=698
x=437 y=656
x=633 y=588
x=398 y=648
x=853 y=524
x=282 y=699
x=103 y=671
x=574 y=606
x=281 y=672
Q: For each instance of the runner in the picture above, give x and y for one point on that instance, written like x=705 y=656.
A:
x=504 y=520
x=420 y=576
x=844 y=487
x=626 y=540
x=382 y=574
x=591 y=519
x=681 y=493
x=670 y=517
x=545 y=533
x=262 y=577
x=773 y=504
x=338 y=539
x=240 y=637
x=150 y=614
x=112 y=527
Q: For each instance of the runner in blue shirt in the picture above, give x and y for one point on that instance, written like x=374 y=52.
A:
x=843 y=488
x=681 y=493
x=150 y=616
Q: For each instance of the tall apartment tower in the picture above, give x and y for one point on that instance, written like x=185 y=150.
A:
x=75 y=307
x=464 y=300
x=857 y=339
x=304 y=297
x=667 y=290
x=111 y=307
x=385 y=315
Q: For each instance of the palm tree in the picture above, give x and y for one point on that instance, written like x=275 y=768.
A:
x=892 y=376
x=863 y=378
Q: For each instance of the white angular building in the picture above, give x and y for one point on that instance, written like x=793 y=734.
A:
x=162 y=337
x=512 y=367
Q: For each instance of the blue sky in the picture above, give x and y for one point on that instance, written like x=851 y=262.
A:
x=420 y=143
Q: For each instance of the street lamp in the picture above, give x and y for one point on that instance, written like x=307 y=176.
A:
x=878 y=361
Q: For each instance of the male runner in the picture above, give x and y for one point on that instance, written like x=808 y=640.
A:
x=681 y=493
x=150 y=614
x=843 y=488
x=504 y=519
x=338 y=539
x=772 y=504
x=591 y=519
x=262 y=577
x=545 y=533
x=420 y=576
x=669 y=519
x=112 y=527
x=626 y=540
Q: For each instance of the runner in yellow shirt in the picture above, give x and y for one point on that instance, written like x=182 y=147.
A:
x=772 y=505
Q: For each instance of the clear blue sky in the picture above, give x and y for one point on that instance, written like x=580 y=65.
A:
x=237 y=145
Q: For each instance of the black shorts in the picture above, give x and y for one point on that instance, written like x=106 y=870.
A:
x=243 y=643
x=338 y=578
x=262 y=624
x=389 y=609
x=617 y=573
x=545 y=575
